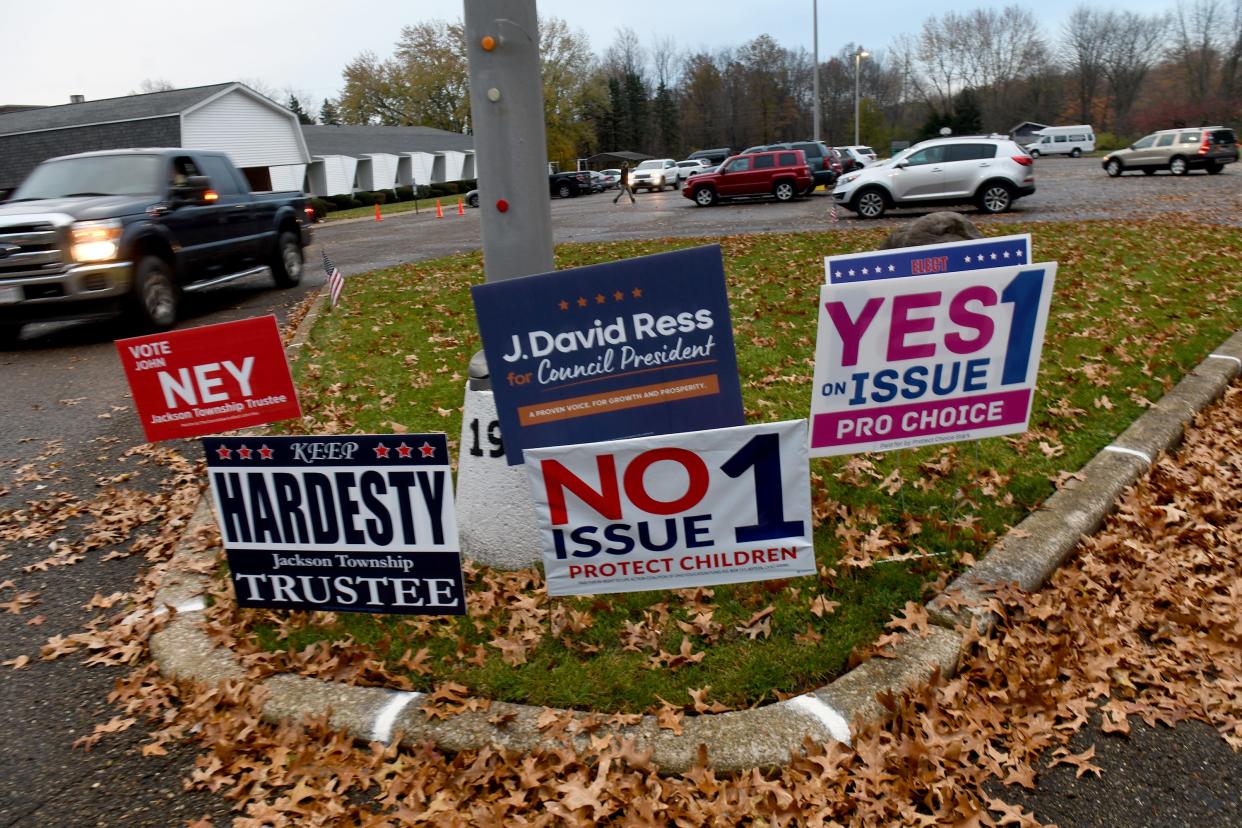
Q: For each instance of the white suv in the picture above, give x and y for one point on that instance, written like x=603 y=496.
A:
x=656 y=174
x=992 y=172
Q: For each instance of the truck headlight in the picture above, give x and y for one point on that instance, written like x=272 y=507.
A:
x=95 y=241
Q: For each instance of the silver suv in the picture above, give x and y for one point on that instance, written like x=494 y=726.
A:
x=1177 y=150
x=992 y=172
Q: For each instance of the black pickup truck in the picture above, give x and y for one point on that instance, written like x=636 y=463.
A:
x=134 y=230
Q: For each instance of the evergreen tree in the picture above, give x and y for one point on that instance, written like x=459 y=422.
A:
x=637 y=111
x=667 y=123
x=295 y=106
x=619 y=128
x=328 y=116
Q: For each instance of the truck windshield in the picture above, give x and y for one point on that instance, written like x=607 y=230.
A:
x=95 y=175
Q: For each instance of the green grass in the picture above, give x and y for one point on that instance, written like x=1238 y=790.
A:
x=446 y=202
x=1136 y=306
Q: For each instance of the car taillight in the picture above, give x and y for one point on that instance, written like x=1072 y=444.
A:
x=1024 y=160
x=1206 y=146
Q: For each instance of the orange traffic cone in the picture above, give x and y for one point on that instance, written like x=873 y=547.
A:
x=439 y=210
x=378 y=217
x=461 y=208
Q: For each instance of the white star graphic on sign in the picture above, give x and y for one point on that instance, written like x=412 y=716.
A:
x=892 y=269
x=993 y=257
x=967 y=260
x=1006 y=254
x=1019 y=254
x=838 y=274
x=864 y=271
x=851 y=272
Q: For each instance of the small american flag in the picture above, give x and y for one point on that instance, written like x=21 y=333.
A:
x=335 y=280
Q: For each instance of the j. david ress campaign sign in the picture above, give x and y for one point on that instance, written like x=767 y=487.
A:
x=679 y=510
x=928 y=359
x=209 y=379
x=618 y=350
x=363 y=523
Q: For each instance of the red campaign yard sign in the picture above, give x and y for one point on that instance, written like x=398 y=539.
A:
x=210 y=379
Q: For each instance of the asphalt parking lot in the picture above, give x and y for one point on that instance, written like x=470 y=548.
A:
x=1066 y=189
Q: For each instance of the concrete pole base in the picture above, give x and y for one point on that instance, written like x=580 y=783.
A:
x=495 y=510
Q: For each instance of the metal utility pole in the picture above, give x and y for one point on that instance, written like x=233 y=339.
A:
x=815 y=69
x=858 y=56
x=511 y=149
x=495 y=509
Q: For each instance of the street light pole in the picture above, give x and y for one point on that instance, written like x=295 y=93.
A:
x=858 y=56
x=815 y=69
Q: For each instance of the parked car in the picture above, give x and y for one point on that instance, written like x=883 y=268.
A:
x=819 y=157
x=991 y=172
x=1063 y=140
x=597 y=182
x=857 y=157
x=612 y=178
x=472 y=198
x=1177 y=150
x=692 y=166
x=714 y=157
x=655 y=174
x=781 y=174
x=135 y=230
x=569 y=184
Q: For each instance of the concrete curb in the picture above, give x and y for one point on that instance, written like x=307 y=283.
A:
x=737 y=740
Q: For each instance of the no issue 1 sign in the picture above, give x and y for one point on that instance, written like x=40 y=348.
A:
x=680 y=510
x=930 y=359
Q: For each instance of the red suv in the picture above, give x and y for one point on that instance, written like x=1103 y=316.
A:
x=782 y=174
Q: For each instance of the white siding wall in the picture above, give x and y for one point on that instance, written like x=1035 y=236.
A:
x=383 y=172
x=333 y=175
x=421 y=164
x=454 y=161
x=288 y=177
x=362 y=174
x=254 y=135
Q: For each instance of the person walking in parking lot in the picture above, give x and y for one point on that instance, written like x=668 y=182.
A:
x=625 y=188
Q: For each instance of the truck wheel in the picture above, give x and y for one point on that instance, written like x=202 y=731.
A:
x=287 y=263
x=155 y=296
x=1075 y=153
x=10 y=332
x=563 y=191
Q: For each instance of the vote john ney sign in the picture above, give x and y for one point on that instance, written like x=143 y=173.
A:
x=626 y=349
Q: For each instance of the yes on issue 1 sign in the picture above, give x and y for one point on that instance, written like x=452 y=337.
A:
x=929 y=359
x=363 y=523
x=209 y=379
x=679 y=510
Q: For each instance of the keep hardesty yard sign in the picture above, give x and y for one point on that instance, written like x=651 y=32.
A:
x=209 y=379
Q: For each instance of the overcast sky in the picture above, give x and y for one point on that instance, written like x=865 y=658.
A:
x=56 y=48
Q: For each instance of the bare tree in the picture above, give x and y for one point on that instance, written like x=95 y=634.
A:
x=1195 y=35
x=1084 y=37
x=150 y=85
x=1231 y=63
x=1131 y=48
x=665 y=60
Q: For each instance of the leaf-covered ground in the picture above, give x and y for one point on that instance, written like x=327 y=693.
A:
x=1128 y=319
x=1146 y=620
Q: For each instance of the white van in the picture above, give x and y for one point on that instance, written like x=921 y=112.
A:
x=1063 y=140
